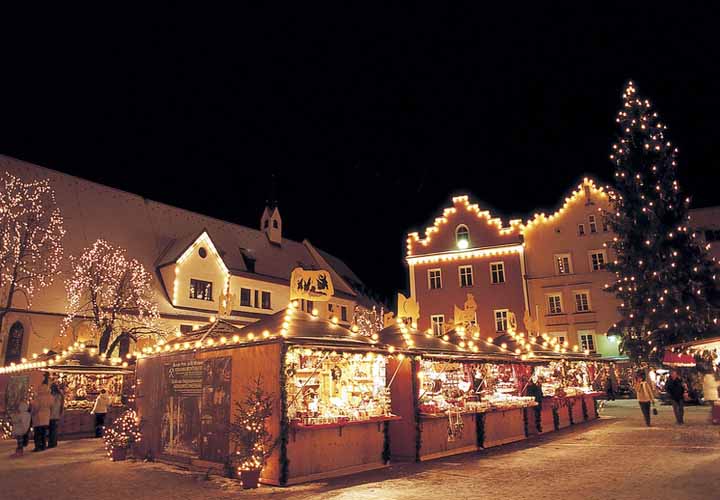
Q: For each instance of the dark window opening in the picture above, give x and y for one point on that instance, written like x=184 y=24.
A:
x=200 y=290
x=245 y=297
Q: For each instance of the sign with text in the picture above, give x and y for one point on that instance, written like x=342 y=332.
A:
x=185 y=378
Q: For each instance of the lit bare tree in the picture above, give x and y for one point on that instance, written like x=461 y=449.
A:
x=31 y=233
x=115 y=294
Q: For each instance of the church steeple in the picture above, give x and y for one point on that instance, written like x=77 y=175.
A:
x=271 y=222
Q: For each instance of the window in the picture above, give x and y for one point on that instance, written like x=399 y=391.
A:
x=438 y=324
x=554 y=304
x=587 y=342
x=265 y=304
x=185 y=329
x=309 y=306
x=501 y=320
x=462 y=236
x=330 y=307
x=201 y=290
x=560 y=338
x=434 y=279
x=266 y=224
x=466 y=276
x=257 y=302
x=582 y=301
x=593 y=224
x=343 y=313
x=245 y=297
x=606 y=228
x=581 y=229
x=497 y=272
x=202 y=252
x=275 y=224
x=597 y=260
x=563 y=264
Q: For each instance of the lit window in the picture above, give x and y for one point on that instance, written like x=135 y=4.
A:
x=554 y=304
x=581 y=229
x=582 y=301
x=587 y=341
x=438 y=324
x=497 y=272
x=245 y=294
x=434 y=279
x=200 y=290
x=563 y=264
x=597 y=260
x=462 y=236
x=560 y=339
x=593 y=224
x=266 y=304
x=501 y=320
x=466 y=276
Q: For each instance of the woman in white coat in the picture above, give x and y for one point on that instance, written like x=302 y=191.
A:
x=710 y=388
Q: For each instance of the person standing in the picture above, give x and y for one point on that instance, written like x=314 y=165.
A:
x=534 y=389
x=676 y=390
x=644 y=394
x=41 y=407
x=609 y=388
x=56 y=411
x=20 y=419
x=100 y=409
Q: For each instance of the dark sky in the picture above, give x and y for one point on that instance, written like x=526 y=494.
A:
x=369 y=120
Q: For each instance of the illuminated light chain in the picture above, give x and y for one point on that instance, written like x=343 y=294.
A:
x=468 y=254
x=32 y=232
x=124 y=432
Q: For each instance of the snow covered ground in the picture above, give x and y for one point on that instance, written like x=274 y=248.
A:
x=614 y=458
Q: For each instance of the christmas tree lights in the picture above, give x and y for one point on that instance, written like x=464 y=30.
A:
x=253 y=443
x=123 y=433
x=663 y=279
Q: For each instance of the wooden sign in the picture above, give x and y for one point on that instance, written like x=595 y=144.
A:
x=311 y=285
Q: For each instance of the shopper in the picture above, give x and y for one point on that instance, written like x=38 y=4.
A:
x=41 y=407
x=100 y=409
x=645 y=395
x=676 y=390
x=56 y=412
x=609 y=388
x=20 y=419
x=534 y=389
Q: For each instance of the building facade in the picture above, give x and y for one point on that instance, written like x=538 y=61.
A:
x=548 y=271
x=197 y=261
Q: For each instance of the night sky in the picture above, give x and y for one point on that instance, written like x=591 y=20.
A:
x=370 y=121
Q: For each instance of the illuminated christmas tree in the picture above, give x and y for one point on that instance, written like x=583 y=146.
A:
x=664 y=280
x=253 y=443
x=123 y=433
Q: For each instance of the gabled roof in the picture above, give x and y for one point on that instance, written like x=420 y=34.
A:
x=154 y=233
x=215 y=330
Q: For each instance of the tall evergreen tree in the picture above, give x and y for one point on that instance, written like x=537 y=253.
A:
x=663 y=277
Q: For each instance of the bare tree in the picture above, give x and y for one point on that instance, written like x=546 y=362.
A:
x=31 y=233
x=115 y=294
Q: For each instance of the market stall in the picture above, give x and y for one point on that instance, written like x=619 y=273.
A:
x=456 y=394
x=328 y=384
x=81 y=374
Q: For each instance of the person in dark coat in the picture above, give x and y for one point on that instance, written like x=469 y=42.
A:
x=675 y=389
x=534 y=389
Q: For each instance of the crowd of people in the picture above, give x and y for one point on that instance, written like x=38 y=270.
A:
x=42 y=415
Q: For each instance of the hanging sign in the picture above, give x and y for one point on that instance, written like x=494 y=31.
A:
x=310 y=285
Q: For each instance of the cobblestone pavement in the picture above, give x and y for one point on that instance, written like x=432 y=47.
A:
x=616 y=457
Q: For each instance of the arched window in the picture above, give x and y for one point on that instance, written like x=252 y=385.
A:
x=13 y=352
x=462 y=236
x=275 y=224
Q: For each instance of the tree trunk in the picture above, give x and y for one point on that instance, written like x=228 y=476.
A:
x=105 y=339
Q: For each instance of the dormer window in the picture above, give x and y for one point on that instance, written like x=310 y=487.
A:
x=462 y=236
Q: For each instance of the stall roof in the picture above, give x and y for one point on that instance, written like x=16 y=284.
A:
x=79 y=358
x=407 y=339
x=215 y=330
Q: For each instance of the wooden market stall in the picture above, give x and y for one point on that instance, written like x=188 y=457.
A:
x=80 y=374
x=331 y=406
x=455 y=395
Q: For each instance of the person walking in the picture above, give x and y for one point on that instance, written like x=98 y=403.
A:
x=676 y=390
x=20 y=419
x=56 y=411
x=644 y=394
x=41 y=407
x=100 y=409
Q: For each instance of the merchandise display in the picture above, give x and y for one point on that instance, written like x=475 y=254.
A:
x=564 y=378
x=468 y=387
x=327 y=387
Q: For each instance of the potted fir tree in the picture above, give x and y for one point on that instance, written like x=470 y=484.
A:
x=122 y=435
x=253 y=442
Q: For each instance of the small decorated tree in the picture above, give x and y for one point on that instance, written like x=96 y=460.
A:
x=122 y=435
x=253 y=443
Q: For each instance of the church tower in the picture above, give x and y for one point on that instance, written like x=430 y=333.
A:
x=271 y=224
